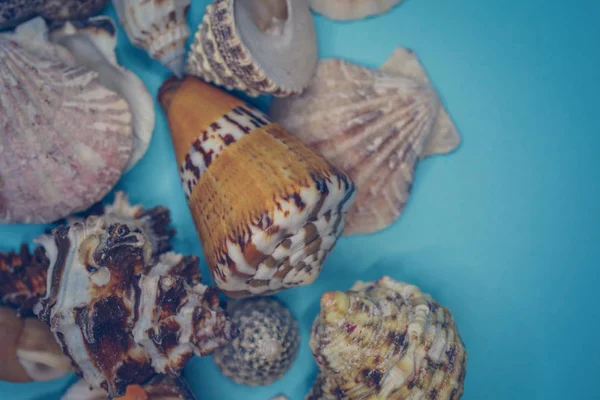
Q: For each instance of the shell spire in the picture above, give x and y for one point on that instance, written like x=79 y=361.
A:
x=386 y=340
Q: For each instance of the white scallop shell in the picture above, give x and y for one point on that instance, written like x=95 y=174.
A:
x=258 y=47
x=374 y=125
x=345 y=10
x=159 y=27
x=65 y=139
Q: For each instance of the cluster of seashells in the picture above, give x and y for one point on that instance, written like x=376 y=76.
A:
x=270 y=194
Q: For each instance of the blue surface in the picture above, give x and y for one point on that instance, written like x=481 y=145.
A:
x=504 y=231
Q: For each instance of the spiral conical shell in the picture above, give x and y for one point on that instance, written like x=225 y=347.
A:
x=268 y=209
x=386 y=340
x=266 y=47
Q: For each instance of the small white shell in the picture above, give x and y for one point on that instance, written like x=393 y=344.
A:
x=258 y=47
x=345 y=10
x=159 y=27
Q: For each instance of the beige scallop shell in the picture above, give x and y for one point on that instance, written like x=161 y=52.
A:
x=376 y=126
x=258 y=47
x=346 y=10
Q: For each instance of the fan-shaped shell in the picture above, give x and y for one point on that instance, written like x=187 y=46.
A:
x=346 y=10
x=268 y=209
x=14 y=12
x=65 y=138
x=258 y=47
x=375 y=125
x=157 y=26
x=386 y=340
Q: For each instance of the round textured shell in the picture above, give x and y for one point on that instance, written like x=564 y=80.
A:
x=346 y=10
x=267 y=344
x=376 y=126
x=13 y=12
x=157 y=26
x=258 y=47
x=386 y=340
x=65 y=138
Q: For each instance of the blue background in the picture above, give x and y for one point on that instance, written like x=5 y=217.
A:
x=504 y=231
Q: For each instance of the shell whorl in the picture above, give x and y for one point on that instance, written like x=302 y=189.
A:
x=13 y=12
x=386 y=340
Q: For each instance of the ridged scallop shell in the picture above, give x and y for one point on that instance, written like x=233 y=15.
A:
x=268 y=209
x=29 y=351
x=258 y=47
x=160 y=387
x=386 y=340
x=120 y=316
x=157 y=26
x=266 y=346
x=346 y=10
x=92 y=43
x=14 y=12
x=65 y=138
x=375 y=125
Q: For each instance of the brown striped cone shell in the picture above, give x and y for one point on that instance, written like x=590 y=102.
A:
x=257 y=47
x=29 y=351
x=160 y=387
x=121 y=315
x=268 y=210
x=347 y=10
x=157 y=26
x=65 y=139
x=386 y=340
x=375 y=125
x=14 y=12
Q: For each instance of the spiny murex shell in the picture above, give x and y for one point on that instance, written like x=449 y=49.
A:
x=266 y=346
x=258 y=47
x=157 y=26
x=120 y=317
x=13 y=12
x=92 y=42
x=160 y=387
x=376 y=125
x=386 y=340
x=268 y=209
x=65 y=139
x=346 y=10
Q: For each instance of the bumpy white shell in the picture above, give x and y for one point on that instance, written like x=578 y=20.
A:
x=345 y=10
x=92 y=42
x=258 y=47
x=159 y=27
x=376 y=126
x=64 y=138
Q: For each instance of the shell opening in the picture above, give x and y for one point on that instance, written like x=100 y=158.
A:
x=269 y=16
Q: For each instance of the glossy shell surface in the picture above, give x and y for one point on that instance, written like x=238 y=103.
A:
x=346 y=10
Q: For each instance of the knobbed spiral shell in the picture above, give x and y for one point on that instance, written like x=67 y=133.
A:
x=266 y=346
x=256 y=46
x=268 y=209
x=118 y=315
x=13 y=12
x=65 y=138
x=386 y=340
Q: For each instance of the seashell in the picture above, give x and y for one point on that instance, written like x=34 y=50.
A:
x=23 y=278
x=65 y=138
x=376 y=125
x=280 y=397
x=346 y=10
x=120 y=317
x=268 y=209
x=386 y=340
x=258 y=47
x=92 y=43
x=157 y=26
x=14 y=12
x=266 y=346
x=29 y=351
x=160 y=387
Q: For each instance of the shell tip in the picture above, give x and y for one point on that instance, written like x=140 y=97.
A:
x=167 y=91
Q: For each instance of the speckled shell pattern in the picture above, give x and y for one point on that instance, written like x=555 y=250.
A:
x=65 y=139
x=120 y=317
x=266 y=346
x=268 y=209
x=13 y=12
x=347 y=10
x=375 y=125
x=386 y=340
x=157 y=26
